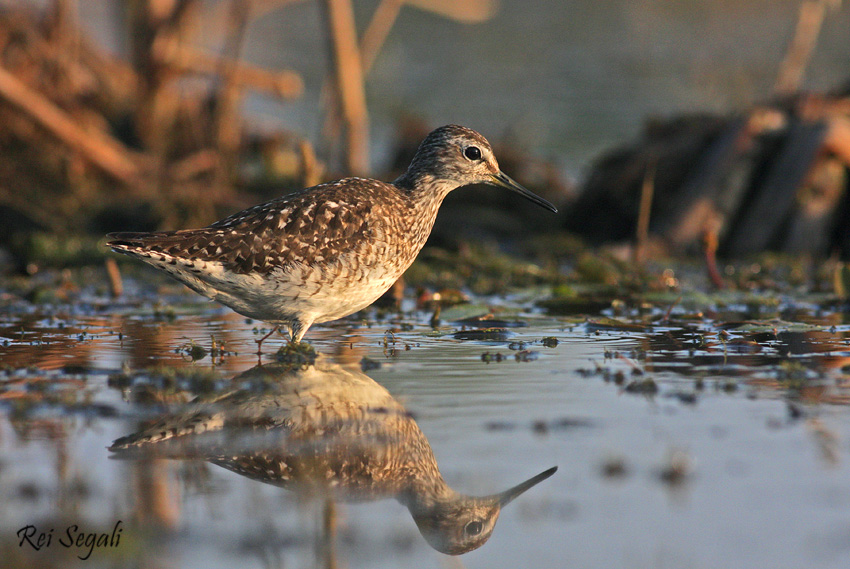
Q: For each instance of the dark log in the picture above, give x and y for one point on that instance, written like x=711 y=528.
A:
x=607 y=208
x=816 y=208
x=697 y=202
x=760 y=224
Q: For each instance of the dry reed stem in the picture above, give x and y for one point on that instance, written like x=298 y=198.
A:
x=809 y=22
x=98 y=147
x=348 y=76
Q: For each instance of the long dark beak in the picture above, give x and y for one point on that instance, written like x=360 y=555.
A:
x=508 y=495
x=505 y=181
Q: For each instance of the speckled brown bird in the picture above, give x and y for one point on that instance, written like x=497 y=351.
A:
x=330 y=432
x=327 y=251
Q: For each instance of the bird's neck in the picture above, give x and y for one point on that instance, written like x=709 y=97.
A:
x=426 y=193
x=425 y=189
x=425 y=494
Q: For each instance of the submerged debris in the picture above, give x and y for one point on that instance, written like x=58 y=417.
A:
x=541 y=426
x=526 y=356
x=484 y=335
x=487 y=357
x=614 y=467
x=685 y=397
x=301 y=354
x=645 y=386
x=194 y=351
x=167 y=381
x=605 y=323
x=489 y=321
x=678 y=468
x=368 y=364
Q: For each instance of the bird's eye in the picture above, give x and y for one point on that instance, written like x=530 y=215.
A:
x=472 y=153
x=473 y=528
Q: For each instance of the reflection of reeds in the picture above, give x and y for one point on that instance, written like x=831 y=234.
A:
x=156 y=494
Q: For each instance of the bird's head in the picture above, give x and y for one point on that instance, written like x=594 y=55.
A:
x=459 y=156
x=464 y=523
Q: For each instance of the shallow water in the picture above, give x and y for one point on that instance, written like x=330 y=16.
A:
x=736 y=455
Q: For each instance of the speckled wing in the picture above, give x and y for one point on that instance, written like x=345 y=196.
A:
x=315 y=225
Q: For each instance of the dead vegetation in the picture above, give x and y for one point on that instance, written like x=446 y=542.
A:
x=770 y=177
x=92 y=142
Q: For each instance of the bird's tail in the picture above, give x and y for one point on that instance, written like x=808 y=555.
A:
x=136 y=244
x=172 y=428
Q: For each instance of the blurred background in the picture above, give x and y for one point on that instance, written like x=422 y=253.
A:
x=160 y=114
x=569 y=78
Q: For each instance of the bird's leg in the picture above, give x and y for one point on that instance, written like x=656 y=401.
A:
x=297 y=330
x=263 y=339
x=327 y=542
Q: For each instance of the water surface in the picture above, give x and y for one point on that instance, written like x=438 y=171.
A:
x=735 y=455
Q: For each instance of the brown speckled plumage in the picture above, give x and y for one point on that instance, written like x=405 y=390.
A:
x=326 y=251
x=330 y=431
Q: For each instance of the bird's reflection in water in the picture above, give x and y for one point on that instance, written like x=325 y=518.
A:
x=331 y=430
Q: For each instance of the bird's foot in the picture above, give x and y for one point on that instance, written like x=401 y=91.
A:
x=263 y=339
x=297 y=354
